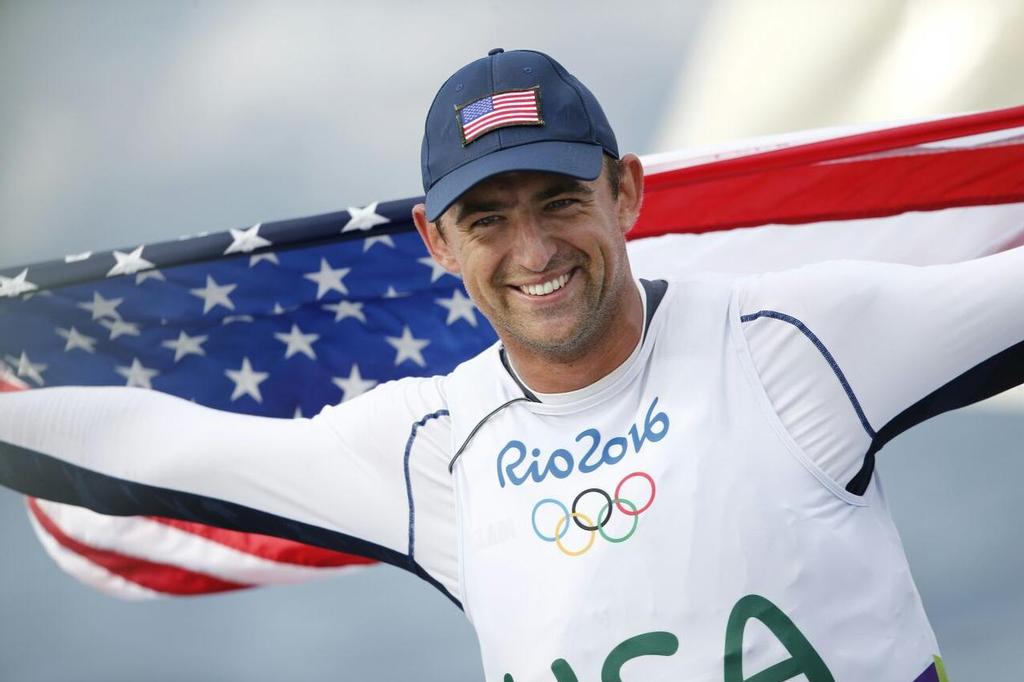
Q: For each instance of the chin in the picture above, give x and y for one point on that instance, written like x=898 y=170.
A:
x=568 y=344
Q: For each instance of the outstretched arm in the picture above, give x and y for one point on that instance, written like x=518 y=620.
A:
x=337 y=480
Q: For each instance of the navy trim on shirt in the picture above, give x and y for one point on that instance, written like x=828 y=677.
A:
x=999 y=373
x=655 y=290
x=40 y=475
x=829 y=358
x=413 y=565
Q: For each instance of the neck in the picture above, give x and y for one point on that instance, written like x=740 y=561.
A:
x=546 y=373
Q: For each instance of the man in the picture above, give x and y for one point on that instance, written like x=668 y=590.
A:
x=636 y=471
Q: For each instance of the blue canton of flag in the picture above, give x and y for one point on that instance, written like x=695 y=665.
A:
x=477 y=109
x=286 y=318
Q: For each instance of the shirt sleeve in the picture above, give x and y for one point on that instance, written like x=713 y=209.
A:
x=851 y=354
x=339 y=480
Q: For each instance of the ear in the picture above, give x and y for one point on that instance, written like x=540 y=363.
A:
x=435 y=241
x=631 y=191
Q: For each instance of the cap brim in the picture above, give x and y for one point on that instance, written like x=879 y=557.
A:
x=576 y=159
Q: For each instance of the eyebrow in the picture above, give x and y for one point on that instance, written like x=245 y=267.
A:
x=468 y=208
x=567 y=186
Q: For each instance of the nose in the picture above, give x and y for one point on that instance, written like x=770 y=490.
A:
x=534 y=246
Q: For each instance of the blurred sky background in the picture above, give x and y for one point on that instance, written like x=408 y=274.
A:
x=128 y=122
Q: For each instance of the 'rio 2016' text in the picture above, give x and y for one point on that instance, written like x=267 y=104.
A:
x=561 y=462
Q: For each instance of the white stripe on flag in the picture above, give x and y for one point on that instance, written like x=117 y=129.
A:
x=492 y=120
x=914 y=238
x=150 y=540
x=87 y=572
x=695 y=156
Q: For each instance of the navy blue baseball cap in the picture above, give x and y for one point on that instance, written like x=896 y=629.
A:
x=510 y=111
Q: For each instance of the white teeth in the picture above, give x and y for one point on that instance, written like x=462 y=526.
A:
x=545 y=288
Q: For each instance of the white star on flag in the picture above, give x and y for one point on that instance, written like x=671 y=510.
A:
x=120 y=328
x=102 y=307
x=186 y=345
x=343 y=309
x=363 y=218
x=17 y=285
x=268 y=256
x=137 y=375
x=393 y=293
x=408 y=347
x=7 y=376
x=28 y=369
x=354 y=384
x=230 y=319
x=149 y=274
x=278 y=309
x=214 y=294
x=76 y=257
x=247 y=382
x=129 y=263
x=76 y=339
x=384 y=239
x=436 y=270
x=459 y=306
x=246 y=241
x=298 y=342
x=328 y=279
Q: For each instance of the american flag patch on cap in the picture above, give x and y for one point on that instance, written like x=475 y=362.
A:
x=498 y=110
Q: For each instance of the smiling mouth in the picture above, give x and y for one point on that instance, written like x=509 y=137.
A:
x=545 y=288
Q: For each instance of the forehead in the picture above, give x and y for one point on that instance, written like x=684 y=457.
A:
x=526 y=182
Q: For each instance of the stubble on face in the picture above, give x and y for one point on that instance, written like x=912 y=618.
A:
x=591 y=314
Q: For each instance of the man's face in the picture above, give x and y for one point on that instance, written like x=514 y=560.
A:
x=543 y=256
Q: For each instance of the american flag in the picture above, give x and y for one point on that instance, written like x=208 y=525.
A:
x=276 y=319
x=280 y=319
x=514 y=107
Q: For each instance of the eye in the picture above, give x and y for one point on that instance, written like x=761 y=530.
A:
x=564 y=202
x=485 y=221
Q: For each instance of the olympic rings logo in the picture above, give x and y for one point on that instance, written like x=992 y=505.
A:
x=572 y=517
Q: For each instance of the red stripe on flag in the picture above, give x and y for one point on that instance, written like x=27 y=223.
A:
x=527 y=96
x=8 y=384
x=487 y=119
x=528 y=108
x=498 y=122
x=145 y=573
x=798 y=187
x=853 y=145
x=267 y=547
x=158 y=577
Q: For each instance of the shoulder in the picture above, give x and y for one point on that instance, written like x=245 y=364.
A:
x=699 y=300
x=389 y=407
x=480 y=381
x=483 y=364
